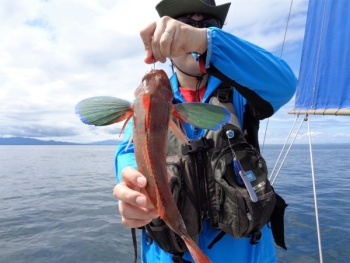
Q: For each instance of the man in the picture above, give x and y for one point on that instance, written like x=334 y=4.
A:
x=203 y=55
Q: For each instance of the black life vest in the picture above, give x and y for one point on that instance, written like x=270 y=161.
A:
x=205 y=185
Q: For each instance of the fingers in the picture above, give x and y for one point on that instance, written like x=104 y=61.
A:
x=158 y=39
x=147 y=37
x=134 y=204
x=134 y=216
x=164 y=47
x=157 y=43
x=168 y=39
x=126 y=194
x=128 y=190
x=133 y=178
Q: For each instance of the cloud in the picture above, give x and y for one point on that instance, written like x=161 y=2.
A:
x=55 y=53
x=323 y=129
x=38 y=130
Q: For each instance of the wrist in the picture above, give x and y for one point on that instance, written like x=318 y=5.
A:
x=202 y=41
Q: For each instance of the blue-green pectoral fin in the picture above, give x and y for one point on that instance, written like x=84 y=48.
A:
x=103 y=110
x=201 y=115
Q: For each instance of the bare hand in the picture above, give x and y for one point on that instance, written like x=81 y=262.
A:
x=170 y=38
x=134 y=205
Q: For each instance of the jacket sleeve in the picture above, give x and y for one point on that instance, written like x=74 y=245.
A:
x=125 y=158
x=266 y=81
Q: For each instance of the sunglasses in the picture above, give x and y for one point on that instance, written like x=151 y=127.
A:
x=204 y=23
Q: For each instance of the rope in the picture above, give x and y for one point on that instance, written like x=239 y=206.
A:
x=311 y=159
x=315 y=196
x=134 y=242
x=199 y=79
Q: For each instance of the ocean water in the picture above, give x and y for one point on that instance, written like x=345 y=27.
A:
x=56 y=204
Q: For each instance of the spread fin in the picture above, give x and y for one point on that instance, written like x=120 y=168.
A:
x=103 y=110
x=201 y=115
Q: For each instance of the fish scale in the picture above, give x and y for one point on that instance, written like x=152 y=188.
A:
x=155 y=144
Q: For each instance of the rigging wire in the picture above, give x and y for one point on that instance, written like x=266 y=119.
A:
x=285 y=32
x=263 y=144
x=312 y=172
x=312 y=165
x=284 y=40
x=309 y=133
x=315 y=195
x=285 y=143
x=290 y=146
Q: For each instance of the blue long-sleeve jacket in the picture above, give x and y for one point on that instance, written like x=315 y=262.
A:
x=263 y=83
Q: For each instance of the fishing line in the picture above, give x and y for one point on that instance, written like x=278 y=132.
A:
x=154 y=63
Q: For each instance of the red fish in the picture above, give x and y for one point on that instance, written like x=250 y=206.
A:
x=153 y=113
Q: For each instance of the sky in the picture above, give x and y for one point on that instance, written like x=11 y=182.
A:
x=55 y=53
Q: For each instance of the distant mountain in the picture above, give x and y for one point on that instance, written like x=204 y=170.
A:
x=107 y=142
x=30 y=141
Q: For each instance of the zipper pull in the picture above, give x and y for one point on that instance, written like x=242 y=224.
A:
x=249 y=216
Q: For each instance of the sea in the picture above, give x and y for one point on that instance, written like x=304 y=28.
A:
x=56 y=204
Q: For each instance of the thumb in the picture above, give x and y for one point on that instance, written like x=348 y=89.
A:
x=149 y=59
x=133 y=178
x=147 y=37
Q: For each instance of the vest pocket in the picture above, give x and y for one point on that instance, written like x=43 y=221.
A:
x=166 y=239
x=238 y=215
x=184 y=186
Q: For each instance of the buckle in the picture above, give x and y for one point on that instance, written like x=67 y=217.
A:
x=256 y=236
x=198 y=144
x=195 y=146
x=224 y=94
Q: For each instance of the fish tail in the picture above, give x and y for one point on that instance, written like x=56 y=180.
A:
x=196 y=253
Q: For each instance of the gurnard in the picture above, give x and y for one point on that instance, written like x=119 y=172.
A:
x=153 y=113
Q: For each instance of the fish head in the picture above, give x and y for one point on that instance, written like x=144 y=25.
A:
x=156 y=82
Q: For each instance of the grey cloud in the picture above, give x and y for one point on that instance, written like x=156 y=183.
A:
x=38 y=130
x=32 y=112
x=114 y=130
x=70 y=50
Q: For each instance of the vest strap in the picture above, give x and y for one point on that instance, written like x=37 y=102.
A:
x=256 y=236
x=133 y=235
x=216 y=239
